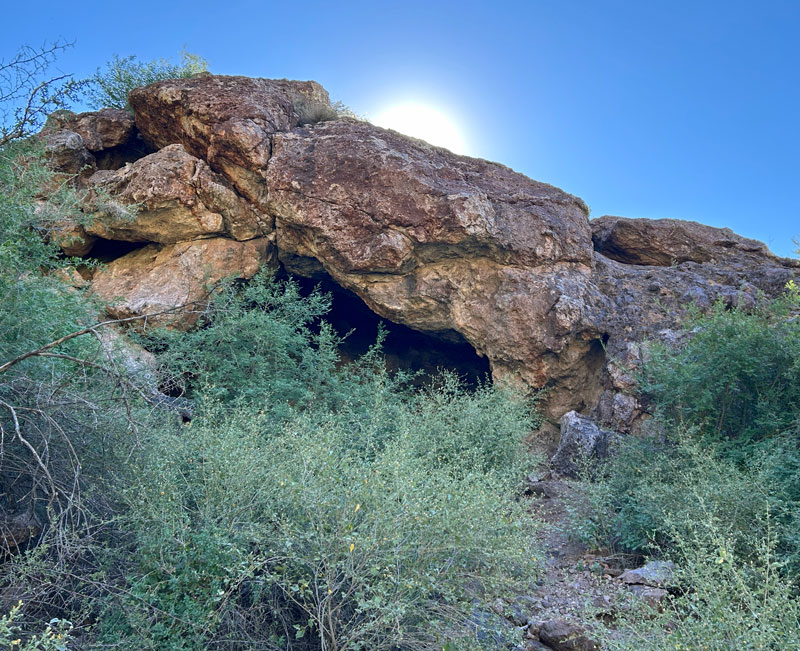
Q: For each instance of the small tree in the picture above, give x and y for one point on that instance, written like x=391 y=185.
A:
x=110 y=87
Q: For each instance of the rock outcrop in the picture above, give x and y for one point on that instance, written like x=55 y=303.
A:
x=230 y=173
x=170 y=196
x=156 y=279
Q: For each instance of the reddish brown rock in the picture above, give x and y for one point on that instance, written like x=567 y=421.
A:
x=72 y=239
x=66 y=153
x=170 y=196
x=665 y=242
x=227 y=121
x=561 y=635
x=99 y=130
x=440 y=242
x=158 y=278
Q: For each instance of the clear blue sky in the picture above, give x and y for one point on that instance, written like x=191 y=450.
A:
x=644 y=108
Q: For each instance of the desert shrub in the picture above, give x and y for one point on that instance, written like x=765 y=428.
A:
x=716 y=485
x=722 y=601
x=317 y=505
x=110 y=87
x=737 y=378
x=284 y=535
x=62 y=409
x=54 y=638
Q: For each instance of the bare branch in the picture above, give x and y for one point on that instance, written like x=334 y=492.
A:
x=33 y=353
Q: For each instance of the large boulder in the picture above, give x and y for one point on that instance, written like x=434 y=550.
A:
x=461 y=248
x=582 y=445
x=174 y=281
x=226 y=121
x=170 y=196
x=99 y=130
x=441 y=243
x=666 y=242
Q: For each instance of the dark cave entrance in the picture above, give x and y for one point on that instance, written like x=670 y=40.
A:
x=106 y=251
x=404 y=348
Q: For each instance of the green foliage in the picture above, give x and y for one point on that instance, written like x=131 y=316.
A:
x=334 y=506
x=725 y=601
x=716 y=485
x=110 y=87
x=61 y=410
x=736 y=380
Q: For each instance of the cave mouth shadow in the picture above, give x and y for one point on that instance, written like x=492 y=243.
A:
x=404 y=348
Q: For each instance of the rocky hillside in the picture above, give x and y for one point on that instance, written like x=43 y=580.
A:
x=217 y=176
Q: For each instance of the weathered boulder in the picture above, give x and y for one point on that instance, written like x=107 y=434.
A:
x=66 y=152
x=72 y=239
x=99 y=130
x=666 y=242
x=458 y=247
x=227 y=121
x=582 y=444
x=441 y=243
x=167 y=197
x=657 y=574
x=158 y=278
x=561 y=635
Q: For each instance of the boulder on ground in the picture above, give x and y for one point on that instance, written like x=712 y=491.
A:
x=582 y=443
x=657 y=574
x=561 y=635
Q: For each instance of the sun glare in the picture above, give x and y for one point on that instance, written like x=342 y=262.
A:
x=423 y=122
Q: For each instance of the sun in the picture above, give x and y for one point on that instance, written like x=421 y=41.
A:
x=423 y=122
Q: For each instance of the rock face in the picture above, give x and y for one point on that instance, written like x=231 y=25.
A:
x=227 y=121
x=99 y=130
x=666 y=242
x=158 y=278
x=457 y=247
x=176 y=197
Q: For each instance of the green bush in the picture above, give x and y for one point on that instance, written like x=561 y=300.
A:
x=256 y=531
x=737 y=378
x=725 y=601
x=716 y=485
x=314 y=505
x=110 y=87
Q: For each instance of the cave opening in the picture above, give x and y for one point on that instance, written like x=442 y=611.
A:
x=404 y=348
x=106 y=251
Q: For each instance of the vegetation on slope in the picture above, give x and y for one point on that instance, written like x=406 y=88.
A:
x=716 y=484
x=307 y=505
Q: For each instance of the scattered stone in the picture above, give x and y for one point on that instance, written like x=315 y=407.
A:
x=561 y=635
x=657 y=574
x=582 y=443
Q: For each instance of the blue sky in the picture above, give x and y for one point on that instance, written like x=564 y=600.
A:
x=643 y=108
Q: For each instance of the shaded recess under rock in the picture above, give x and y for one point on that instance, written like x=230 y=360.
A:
x=436 y=242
